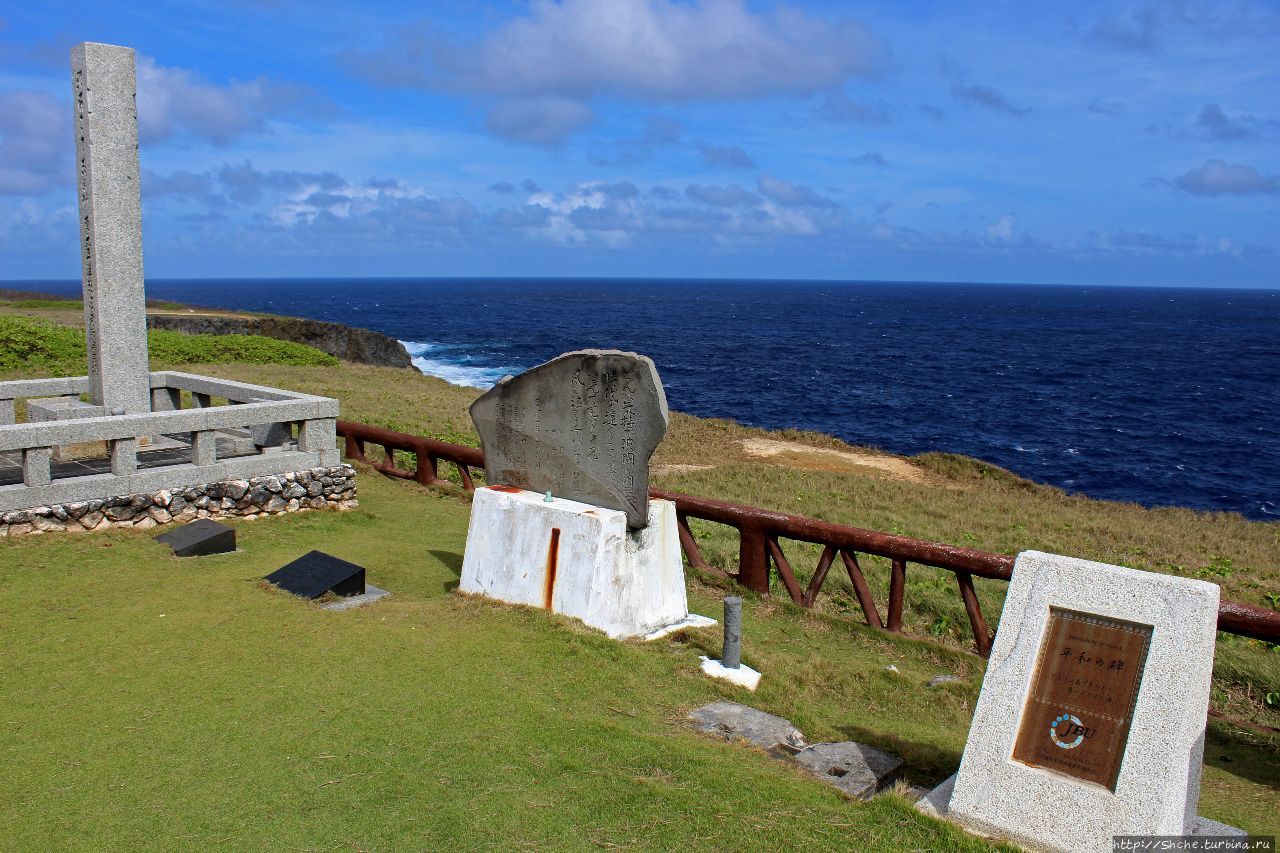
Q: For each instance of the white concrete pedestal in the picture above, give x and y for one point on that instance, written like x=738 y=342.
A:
x=577 y=559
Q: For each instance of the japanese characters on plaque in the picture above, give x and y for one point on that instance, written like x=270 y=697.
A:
x=581 y=426
x=1080 y=707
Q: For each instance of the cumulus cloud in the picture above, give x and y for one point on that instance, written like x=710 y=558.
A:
x=528 y=216
x=538 y=121
x=173 y=100
x=725 y=156
x=1218 y=125
x=198 y=187
x=988 y=98
x=1003 y=228
x=618 y=214
x=35 y=143
x=504 y=187
x=726 y=196
x=247 y=185
x=571 y=51
x=1216 y=177
x=789 y=194
x=658 y=49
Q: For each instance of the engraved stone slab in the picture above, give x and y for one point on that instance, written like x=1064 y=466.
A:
x=581 y=426
x=200 y=539
x=315 y=573
x=1091 y=719
x=111 y=226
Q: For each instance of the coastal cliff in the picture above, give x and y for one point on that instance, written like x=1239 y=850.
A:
x=361 y=346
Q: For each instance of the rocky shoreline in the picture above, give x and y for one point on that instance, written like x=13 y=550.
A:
x=347 y=343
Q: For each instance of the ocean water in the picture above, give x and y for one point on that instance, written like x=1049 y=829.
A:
x=1157 y=396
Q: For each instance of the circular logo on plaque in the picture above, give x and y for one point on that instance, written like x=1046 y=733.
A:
x=1076 y=728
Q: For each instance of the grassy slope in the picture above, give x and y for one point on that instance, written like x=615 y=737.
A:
x=963 y=502
x=36 y=344
x=154 y=702
x=825 y=672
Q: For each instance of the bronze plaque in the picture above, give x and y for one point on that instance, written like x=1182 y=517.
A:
x=1076 y=720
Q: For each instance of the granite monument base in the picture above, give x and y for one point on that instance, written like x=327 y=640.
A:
x=1091 y=719
x=576 y=559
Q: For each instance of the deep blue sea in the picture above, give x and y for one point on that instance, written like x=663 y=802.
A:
x=1159 y=396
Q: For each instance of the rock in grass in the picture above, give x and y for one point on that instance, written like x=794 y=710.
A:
x=855 y=768
x=732 y=721
x=939 y=680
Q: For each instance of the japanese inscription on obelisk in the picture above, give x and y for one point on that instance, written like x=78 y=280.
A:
x=111 y=226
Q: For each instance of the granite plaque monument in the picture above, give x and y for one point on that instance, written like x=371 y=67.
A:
x=566 y=522
x=1091 y=719
x=581 y=426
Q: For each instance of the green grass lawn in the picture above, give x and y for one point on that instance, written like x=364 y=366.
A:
x=152 y=702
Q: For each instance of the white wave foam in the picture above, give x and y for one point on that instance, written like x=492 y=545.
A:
x=454 y=372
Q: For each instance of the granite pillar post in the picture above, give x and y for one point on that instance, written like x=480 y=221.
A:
x=111 y=226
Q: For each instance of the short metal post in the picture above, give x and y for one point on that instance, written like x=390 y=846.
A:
x=731 y=656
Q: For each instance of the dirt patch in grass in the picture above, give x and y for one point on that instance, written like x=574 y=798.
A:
x=853 y=461
x=659 y=470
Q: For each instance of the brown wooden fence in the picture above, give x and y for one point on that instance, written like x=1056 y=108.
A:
x=760 y=534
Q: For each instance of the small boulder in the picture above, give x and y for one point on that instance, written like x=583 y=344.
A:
x=732 y=721
x=855 y=768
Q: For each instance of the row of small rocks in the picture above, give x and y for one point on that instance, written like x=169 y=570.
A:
x=316 y=488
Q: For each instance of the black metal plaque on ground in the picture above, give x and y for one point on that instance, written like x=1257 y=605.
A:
x=200 y=538
x=315 y=573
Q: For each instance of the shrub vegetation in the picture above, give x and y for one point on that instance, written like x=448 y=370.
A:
x=36 y=345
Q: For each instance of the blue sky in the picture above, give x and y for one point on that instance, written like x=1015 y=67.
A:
x=1094 y=143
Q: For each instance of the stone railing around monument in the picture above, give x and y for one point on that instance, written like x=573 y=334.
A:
x=257 y=431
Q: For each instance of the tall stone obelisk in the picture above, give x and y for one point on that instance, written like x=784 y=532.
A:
x=115 y=318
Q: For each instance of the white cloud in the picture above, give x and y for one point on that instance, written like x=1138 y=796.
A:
x=660 y=49
x=35 y=143
x=791 y=195
x=1216 y=177
x=571 y=51
x=538 y=121
x=1003 y=228
x=173 y=100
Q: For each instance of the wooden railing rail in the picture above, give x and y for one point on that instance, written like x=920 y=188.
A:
x=760 y=551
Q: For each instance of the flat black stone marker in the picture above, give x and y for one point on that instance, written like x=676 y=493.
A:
x=315 y=573
x=200 y=538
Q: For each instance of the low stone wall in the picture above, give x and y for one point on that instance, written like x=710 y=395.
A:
x=316 y=488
